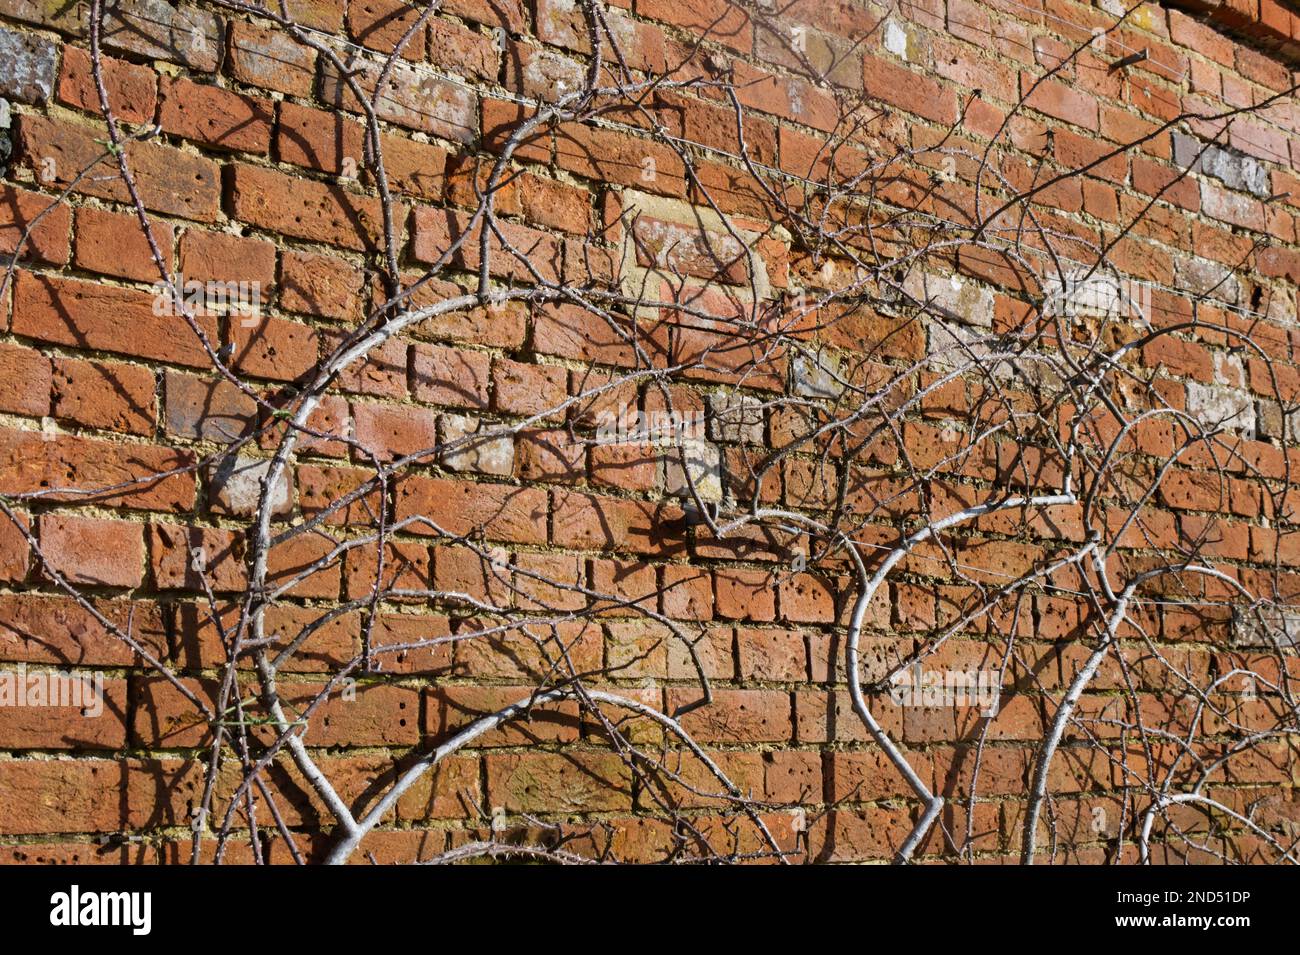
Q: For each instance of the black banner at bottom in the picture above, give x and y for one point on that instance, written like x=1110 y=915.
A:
x=164 y=907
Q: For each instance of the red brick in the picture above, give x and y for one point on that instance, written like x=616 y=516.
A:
x=170 y=181
x=411 y=98
x=24 y=381
x=132 y=90
x=113 y=243
x=115 y=397
x=381 y=372
x=718 y=20
x=501 y=511
x=549 y=455
x=606 y=156
x=589 y=521
x=215 y=117
x=274 y=348
x=103 y=317
x=46 y=238
x=450 y=790
x=319 y=139
x=330 y=645
x=570 y=332
x=455 y=377
x=1062 y=102
x=381 y=24
x=90 y=471
x=857 y=835
x=397 y=629
x=15 y=550
x=776 y=656
x=526 y=390
x=154 y=32
x=633 y=467
x=559 y=782
x=376 y=715
x=222 y=257
x=464 y=51
x=406 y=567
x=450 y=709
x=206 y=409
x=501 y=120
x=391 y=431
x=807 y=598
x=482 y=651
x=99 y=723
x=187 y=558
x=49 y=796
x=270 y=58
x=736 y=716
x=507 y=13
x=908 y=90
x=319 y=285
x=412 y=167
x=56 y=630
x=299 y=564
x=87 y=550
x=436 y=230
x=304 y=210
x=745 y=594
x=687 y=592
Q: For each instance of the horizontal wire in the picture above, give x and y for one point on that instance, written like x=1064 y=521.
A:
x=774 y=172
x=1179 y=76
x=534 y=103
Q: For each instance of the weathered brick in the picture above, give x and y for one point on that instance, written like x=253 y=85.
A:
x=87 y=550
x=215 y=117
x=156 y=29
x=455 y=377
x=737 y=716
x=29 y=76
x=903 y=88
x=319 y=139
x=304 y=210
x=409 y=98
x=206 y=409
x=502 y=512
x=111 y=396
x=91 y=471
x=132 y=90
x=44 y=238
x=93 y=719
x=267 y=57
x=188 y=557
x=170 y=181
x=526 y=390
x=113 y=243
x=554 y=782
x=53 y=796
x=392 y=431
x=319 y=285
x=273 y=348
x=382 y=24
x=25 y=380
x=222 y=257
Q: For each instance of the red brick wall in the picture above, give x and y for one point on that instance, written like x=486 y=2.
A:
x=254 y=178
